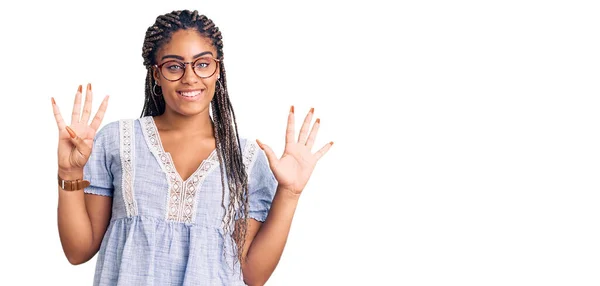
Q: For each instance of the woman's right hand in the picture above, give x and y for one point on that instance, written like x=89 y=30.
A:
x=75 y=141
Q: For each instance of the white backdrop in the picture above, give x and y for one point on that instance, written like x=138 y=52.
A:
x=467 y=144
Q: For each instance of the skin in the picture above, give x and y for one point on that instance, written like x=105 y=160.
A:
x=186 y=132
x=185 y=128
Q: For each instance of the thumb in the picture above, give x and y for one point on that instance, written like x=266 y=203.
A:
x=79 y=143
x=271 y=157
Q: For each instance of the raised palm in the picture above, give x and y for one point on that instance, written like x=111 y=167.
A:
x=73 y=153
x=297 y=163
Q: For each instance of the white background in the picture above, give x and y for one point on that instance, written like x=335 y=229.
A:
x=467 y=133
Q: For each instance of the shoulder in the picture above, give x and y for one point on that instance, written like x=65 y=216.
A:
x=108 y=131
x=111 y=131
x=254 y=158
x=249 y=148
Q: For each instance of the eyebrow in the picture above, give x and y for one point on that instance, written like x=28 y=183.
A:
x=181 y=58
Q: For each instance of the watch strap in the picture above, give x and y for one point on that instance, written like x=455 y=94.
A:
x=72 y=185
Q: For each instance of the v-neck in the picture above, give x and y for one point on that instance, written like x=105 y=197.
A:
x=165 y=158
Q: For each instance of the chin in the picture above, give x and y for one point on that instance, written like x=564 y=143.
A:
x=192 y=111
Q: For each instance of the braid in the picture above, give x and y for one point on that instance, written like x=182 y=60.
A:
x=224 y=123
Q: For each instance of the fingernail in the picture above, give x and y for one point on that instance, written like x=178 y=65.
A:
x=89 y=86
x=292 y=109
x=331 y=142
x=312 y=110
x=259 y=143
x=53 y=102
x=318 y=120
x=71 y=132
x=79 y=88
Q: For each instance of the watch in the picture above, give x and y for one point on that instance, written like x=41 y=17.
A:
x=72 y=185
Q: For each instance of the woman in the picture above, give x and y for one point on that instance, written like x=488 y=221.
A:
x=176 y=197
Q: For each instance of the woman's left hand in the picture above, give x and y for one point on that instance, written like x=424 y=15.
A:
x=297 y=163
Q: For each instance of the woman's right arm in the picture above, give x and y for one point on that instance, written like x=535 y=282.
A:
x=82 y=221
x=82 y=218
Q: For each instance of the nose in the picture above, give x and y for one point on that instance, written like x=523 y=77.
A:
x=189 y=76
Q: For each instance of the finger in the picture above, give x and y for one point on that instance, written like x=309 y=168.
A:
x=323 y=150
x=78 y=142
x=99 y=114
x=87 y=106
x=57 y=116
x=271 y=157
x=289 y=133
x=76 y=107
x=305 y=125
x=313 y=134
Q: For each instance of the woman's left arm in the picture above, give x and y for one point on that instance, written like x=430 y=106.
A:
x=265 y=241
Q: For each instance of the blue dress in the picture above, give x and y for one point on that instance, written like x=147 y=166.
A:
x=164 y=230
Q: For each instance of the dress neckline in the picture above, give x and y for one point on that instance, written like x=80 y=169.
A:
x=166 y=160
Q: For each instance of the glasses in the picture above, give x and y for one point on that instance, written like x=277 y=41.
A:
x=203 y=67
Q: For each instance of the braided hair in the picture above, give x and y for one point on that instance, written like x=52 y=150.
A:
x=224 y=123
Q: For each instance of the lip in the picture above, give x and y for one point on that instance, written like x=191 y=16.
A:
x=193 y=98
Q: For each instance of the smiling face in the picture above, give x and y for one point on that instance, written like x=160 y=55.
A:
x=193 y=56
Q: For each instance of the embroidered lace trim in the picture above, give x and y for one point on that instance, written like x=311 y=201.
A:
x=181 y=202
x=127 y=157
x=249 y=153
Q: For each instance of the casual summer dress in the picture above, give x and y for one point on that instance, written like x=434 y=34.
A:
x=164 y=230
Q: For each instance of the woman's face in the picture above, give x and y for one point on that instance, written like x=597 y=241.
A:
x=190 y=94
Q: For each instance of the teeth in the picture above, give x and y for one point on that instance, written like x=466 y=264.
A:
x=190 y=94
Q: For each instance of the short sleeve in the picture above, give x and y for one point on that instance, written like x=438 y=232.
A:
x=261 y=186
x=98 y=168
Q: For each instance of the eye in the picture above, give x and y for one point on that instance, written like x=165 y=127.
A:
x=173 y=67
x=202 y=65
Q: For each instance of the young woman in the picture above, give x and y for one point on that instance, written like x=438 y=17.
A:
x=176 y=197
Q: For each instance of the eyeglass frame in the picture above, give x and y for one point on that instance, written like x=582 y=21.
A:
x=159 y=68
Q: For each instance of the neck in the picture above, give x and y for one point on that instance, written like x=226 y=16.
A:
x=196 y=125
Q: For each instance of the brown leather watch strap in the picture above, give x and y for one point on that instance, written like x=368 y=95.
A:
x=72 y=185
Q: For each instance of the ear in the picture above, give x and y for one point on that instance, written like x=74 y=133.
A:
x=156 y=75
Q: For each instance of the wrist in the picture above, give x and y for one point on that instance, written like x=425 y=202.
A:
x=288 y=193
x=70 y=175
